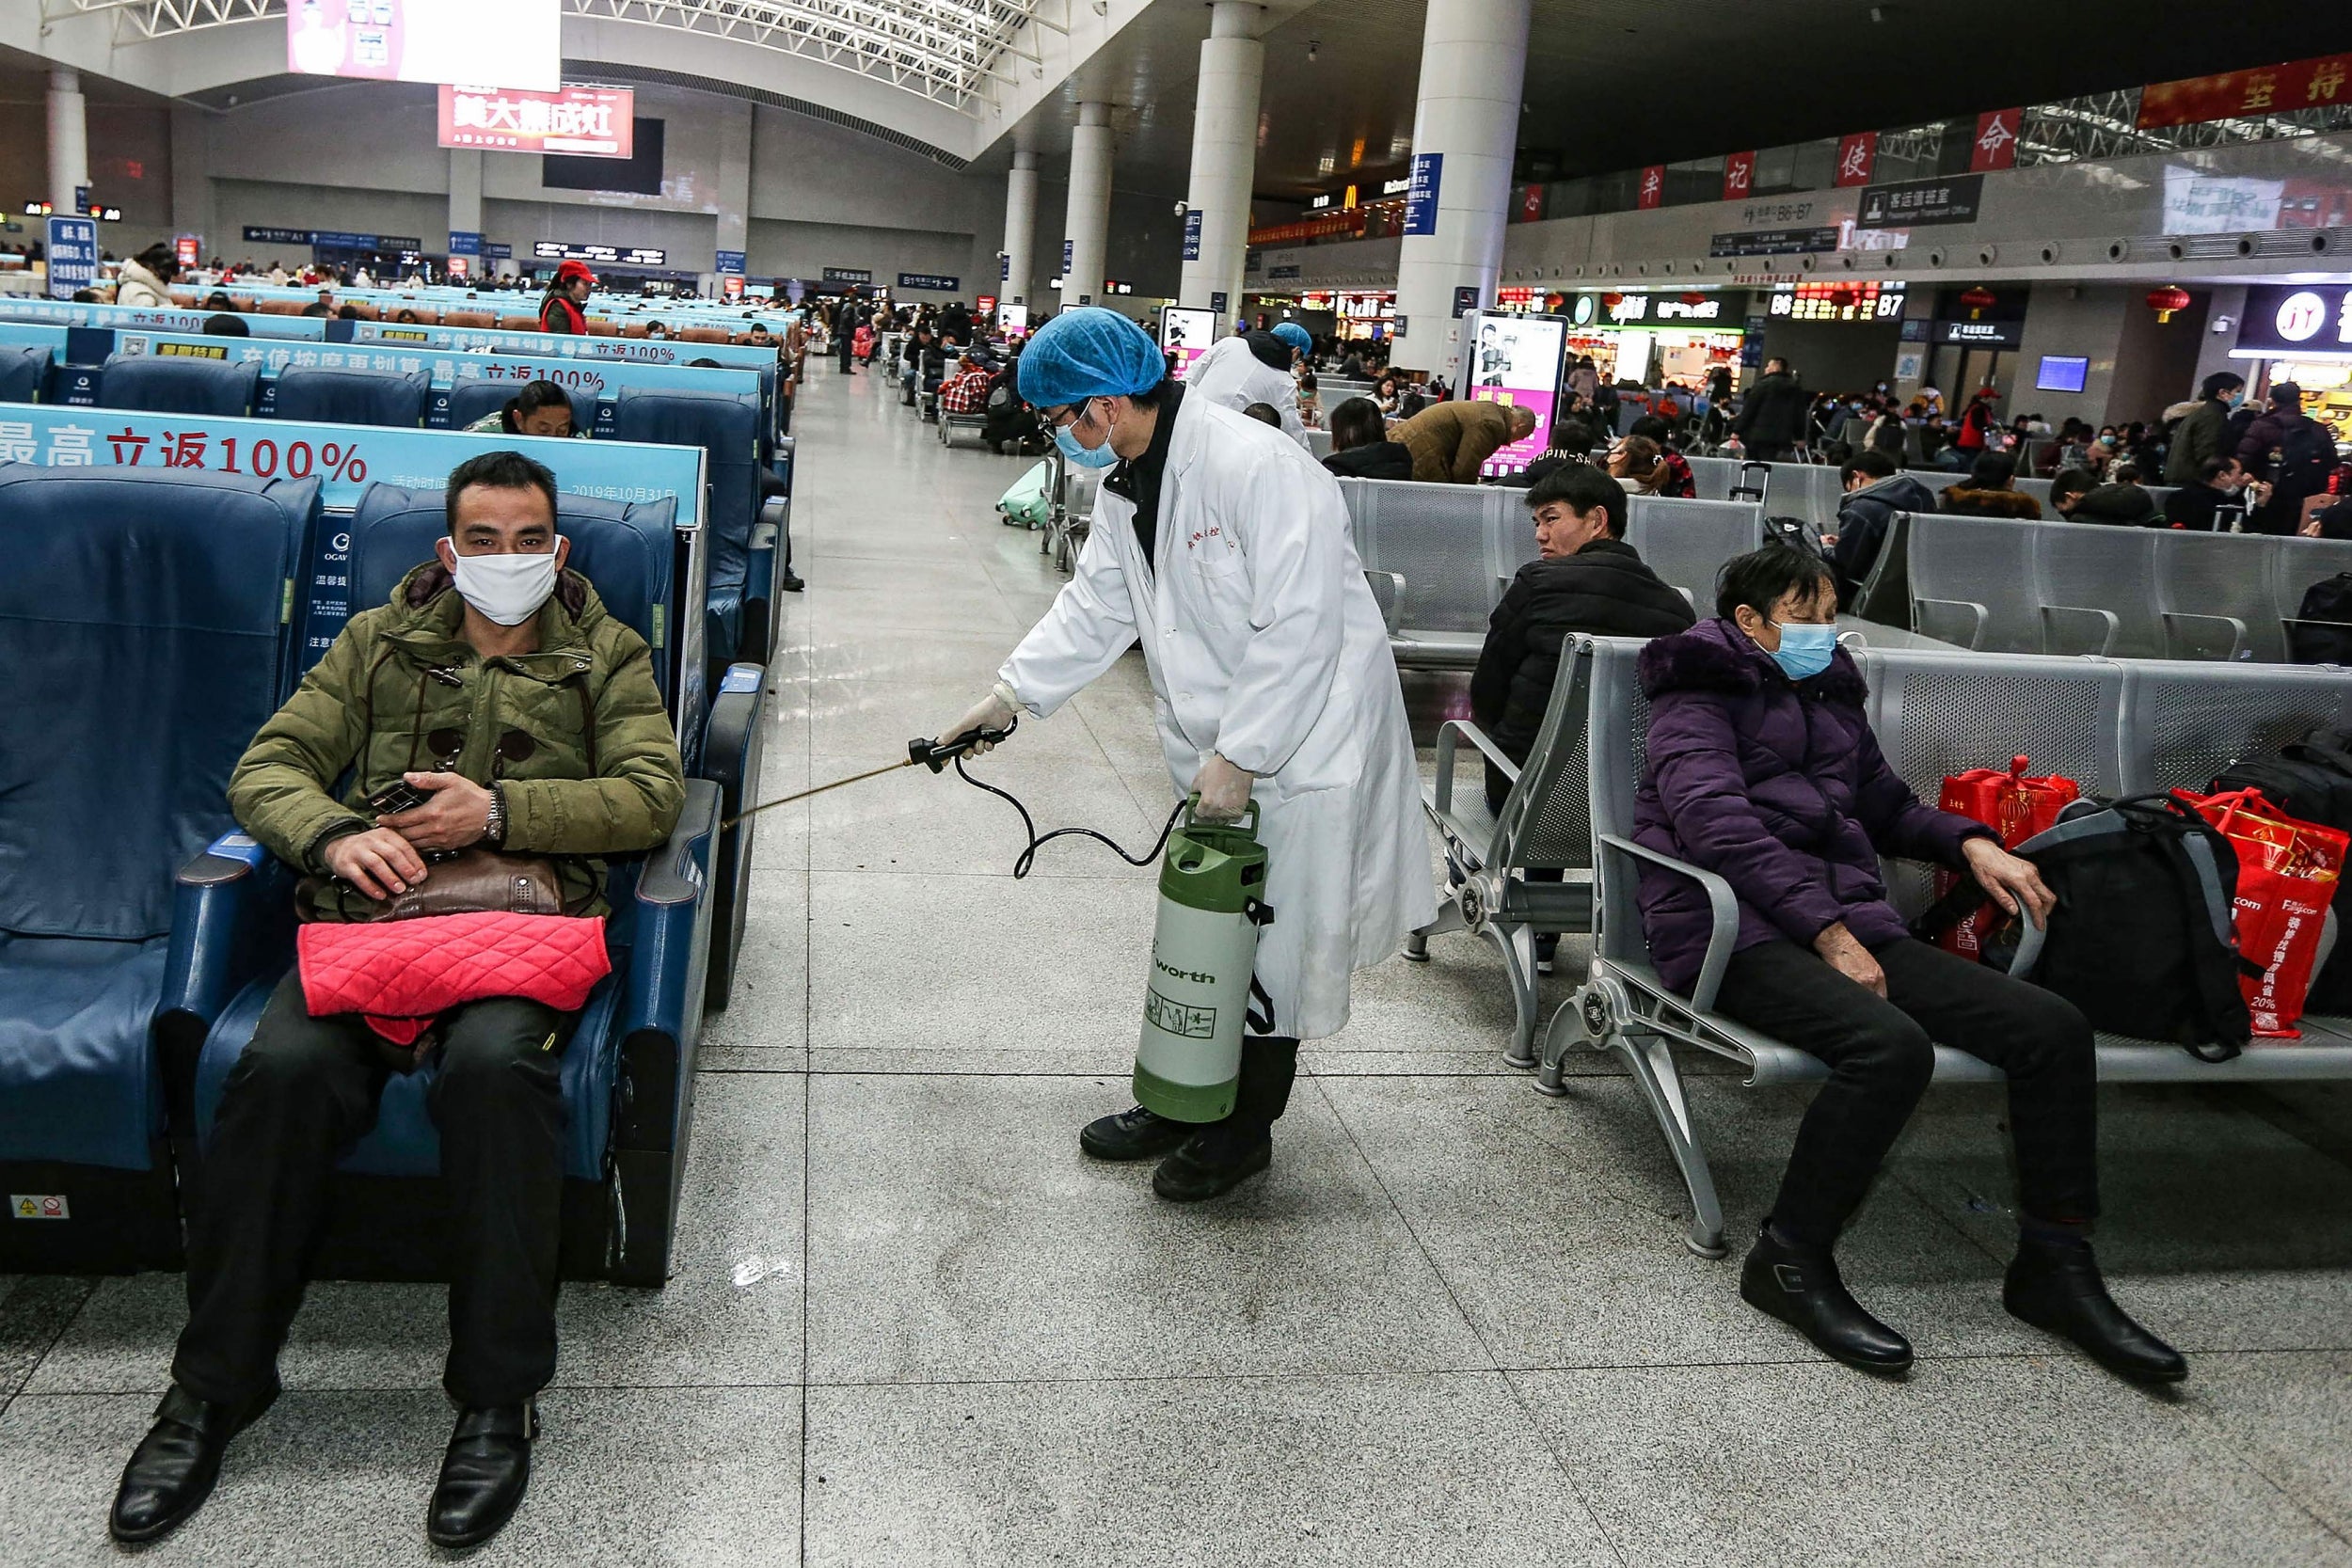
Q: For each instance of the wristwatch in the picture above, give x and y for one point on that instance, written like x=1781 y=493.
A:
x=494 y=825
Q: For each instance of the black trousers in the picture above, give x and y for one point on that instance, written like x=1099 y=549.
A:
x=1770 y=452
x=301 y=1096
x=1881 y=1057
x=1269 y=1065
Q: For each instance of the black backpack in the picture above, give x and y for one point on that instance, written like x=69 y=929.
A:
x=2311 y=779
x=2306 y=458
x=2321 y=632
x=2141 y=939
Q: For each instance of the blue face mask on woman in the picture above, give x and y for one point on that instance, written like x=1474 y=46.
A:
x=1085 y=456
x=1804 y=649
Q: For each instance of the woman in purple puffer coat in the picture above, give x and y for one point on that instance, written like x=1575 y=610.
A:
x=1763 y=770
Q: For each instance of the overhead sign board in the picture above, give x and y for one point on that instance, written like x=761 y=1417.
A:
x=632 y=256
x=580 y=123
x=934 y=282
x=427 y=41
x=1421 y=193
x=1772 y=242
x=2292 y=319
x=1981 y=334
x=1910 y=203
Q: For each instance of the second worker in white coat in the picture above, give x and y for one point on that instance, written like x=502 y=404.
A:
x=1223 y=548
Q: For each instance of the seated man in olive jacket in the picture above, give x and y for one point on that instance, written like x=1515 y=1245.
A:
x=1451 y=440
x=495 y=684
x=1588 y=580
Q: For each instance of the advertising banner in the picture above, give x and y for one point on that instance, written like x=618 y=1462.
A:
x=2271 y=90
x=1515 y=360
x=581 y=122
x=1187 y=335
x=1995 y=146
x=1739 y=176
x=1421 y=195
x=1856 y=156
x=72 y=248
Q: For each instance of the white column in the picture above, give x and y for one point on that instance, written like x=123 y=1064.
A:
x=1085 y=230
x=465 y=194
x=1473 y=60
x=69 y=139
x=1019 y=274
x=735 y=187
x=192 y=180
x=1224 y=155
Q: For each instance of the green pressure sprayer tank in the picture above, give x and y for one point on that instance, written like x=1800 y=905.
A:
x=1203 y=949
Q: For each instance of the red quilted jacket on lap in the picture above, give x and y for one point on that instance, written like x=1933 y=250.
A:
x=402 y=974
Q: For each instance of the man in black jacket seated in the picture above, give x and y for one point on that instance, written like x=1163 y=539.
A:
x=1586 y=579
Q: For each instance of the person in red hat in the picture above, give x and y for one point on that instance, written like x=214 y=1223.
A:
x=560 y=311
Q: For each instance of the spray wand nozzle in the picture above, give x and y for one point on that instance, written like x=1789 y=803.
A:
x=937 y=755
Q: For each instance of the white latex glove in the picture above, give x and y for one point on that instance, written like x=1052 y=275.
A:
x=1223 y=788
x=993 y=712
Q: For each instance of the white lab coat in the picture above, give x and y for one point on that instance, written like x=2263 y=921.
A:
x=1229 y=374
x=1264 y=646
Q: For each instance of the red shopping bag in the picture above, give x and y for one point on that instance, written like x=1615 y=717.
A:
x=2287 y=872
x=2014 y=805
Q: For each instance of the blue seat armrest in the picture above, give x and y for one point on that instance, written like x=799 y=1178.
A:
x=232 y=918
x=1723 y=907
x=669 y=958
x=733 y=715
x=231 y=924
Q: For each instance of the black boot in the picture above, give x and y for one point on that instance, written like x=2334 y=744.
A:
x=1133 y=1134
x=1221 y=1156
x=1800 y=1286
x=172 y=1471
x=482 y=1474
x=2056 y=1286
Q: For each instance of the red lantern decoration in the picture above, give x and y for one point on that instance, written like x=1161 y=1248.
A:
x=1612 y=301
x=1978 y=299
x=1695 y=298
x=2167 y=300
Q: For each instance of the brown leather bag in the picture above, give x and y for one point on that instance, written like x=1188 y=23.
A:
x=473 y=879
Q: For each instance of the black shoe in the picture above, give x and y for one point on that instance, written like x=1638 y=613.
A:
x=483 y=1474
x=1135 y=1135
x=2058 y=1289
x=1211 y=1163
x=791 y=584
x=1547 y=948
x=1800 y=1286
x=172 y=1471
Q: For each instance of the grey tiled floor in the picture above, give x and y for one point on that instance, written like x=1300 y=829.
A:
x=1455 y=1325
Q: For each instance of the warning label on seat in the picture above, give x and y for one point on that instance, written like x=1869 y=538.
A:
x=39 y=1206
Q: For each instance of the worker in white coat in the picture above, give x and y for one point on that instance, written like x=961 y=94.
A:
x=1253 y=368
x=1224 y=550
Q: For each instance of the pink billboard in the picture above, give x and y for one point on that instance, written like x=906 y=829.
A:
x=586 y=122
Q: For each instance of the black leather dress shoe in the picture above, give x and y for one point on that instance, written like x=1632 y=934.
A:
x=1133 y=1134
x=172 y=1471
x=483 y=1474
x=1800 y=1286
x=790 y=582
x=1211 y=1162
x=2058 y=1289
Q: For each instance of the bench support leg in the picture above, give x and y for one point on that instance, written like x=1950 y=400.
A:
x=1449 y=919
x=1517 y=945
x=1653 y=1066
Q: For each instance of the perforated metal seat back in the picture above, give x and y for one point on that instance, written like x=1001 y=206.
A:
x=2298 y=563
x=1936 y=480
x=1558 y=834
x=2220 y=573
x=2090 y=567
x=1617 y=732
x=2038 y=488
x=1435 y=536
x=1941 y=714
x=1687 y=541
x=1985 y=561
x=2184 y=721
x=1807 y=490
x=1713 y=477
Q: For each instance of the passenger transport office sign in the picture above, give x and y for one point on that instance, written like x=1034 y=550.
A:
x=585 y=123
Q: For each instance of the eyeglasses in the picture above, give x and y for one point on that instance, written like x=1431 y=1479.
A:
x=1062 y=417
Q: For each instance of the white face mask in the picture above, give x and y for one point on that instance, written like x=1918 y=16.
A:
x=509 y=589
